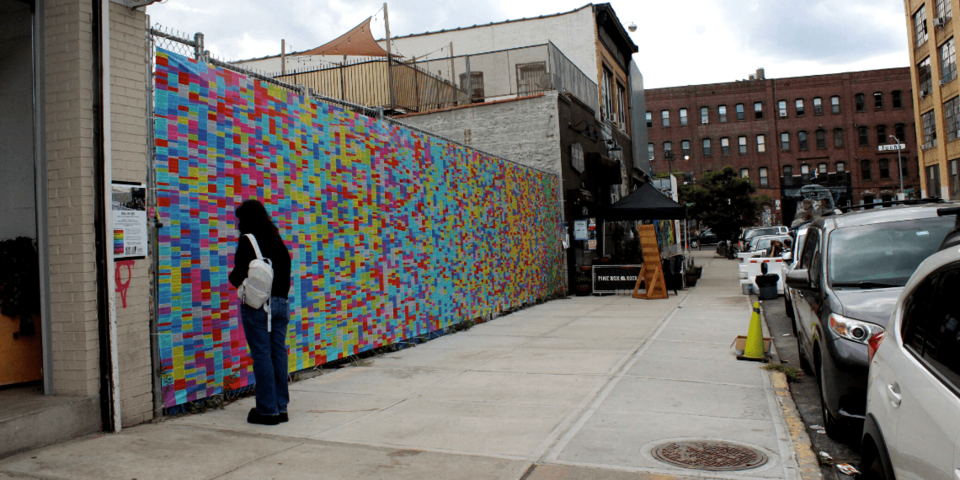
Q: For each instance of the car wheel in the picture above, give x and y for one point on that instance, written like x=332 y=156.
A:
x=830 y=423
x=875 y=470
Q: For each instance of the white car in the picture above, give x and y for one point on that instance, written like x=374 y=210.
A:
x=912 y=425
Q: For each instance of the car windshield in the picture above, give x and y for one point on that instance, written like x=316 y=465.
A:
x=759 y=232
x=883 y=254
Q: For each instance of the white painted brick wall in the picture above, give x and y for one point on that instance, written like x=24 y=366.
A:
x=526 y=131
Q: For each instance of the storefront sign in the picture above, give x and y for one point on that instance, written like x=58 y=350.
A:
x=889 y=148
x=129 y=221
x=615 y=278
x=580 y=230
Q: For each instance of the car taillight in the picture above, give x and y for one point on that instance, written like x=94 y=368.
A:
x=873 y=343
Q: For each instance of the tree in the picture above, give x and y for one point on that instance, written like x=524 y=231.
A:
x=722 y=201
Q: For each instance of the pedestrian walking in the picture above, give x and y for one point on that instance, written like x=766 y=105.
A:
x=266 y=333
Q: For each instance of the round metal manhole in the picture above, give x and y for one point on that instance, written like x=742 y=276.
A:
x=709 y=455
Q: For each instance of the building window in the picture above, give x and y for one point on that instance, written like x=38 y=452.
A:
x=799 y=105
x=920 y=27
x=951 y=117
x=821 y=140
x=878 y=100
x=817 y=106
x=722 y=110
x=900 y=133
x=622 y=108
x=761 y=143
x=707 y=151
x=929 y=129
x=764 y=182
x=649 y=119
x=606 y=97
x=651 y=151
x=804 y=169
x=944 y=11
x=905 y=168
x=788 y=170
x=897 y=99
x=665 y=116
x=724 y=146
x=740 y=112
x=782 y=108
x=528 y=77
x=837 y=138
x=704 y=115
x=667 y=148
x=785 y=142
x=742 y=142
x=822 y=168
x=835 y=104
x=925 y=77
x=744 y=173
x=884 y=168
x=757 y=110
x=865 y=169
x=841 y=167
x=864 y=137
x=802 y=140
x=683 y=117
x=933 y=181
x=859 y=100
x=948 y=62
x=954 y=170
x=685 y=148
x=881 y=134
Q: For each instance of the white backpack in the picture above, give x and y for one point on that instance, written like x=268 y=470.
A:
x=258 y=285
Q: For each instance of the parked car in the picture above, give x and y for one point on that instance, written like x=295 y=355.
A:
x=708 y=237
x=762 y=243
x=761 y=231
x=851 y=271
x=912 y=427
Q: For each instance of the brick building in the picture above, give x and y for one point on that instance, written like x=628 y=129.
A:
x=832 y=130
x=933 y=68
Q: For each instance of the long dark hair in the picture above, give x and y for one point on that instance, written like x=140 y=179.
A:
x=253 y=218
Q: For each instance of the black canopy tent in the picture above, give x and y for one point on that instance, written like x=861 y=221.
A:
x=645 y=203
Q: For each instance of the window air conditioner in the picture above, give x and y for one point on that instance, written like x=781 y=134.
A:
x=939 y=21
x=783 y=114
x=924 y=93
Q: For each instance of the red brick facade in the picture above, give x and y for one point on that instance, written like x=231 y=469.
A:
x=778 y=159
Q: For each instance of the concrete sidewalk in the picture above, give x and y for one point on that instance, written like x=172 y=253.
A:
x=581 y=388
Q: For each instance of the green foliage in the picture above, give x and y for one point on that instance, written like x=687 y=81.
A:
x=722 y=201
x=20 y=282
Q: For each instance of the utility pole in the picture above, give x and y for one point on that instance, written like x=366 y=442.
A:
x=283 y=57
x=903 y=195
x=386 y=23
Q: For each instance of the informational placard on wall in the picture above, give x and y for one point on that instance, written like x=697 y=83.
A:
x=129 y=221
x=580 y=230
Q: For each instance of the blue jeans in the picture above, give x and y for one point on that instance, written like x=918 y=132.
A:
x=269 y=353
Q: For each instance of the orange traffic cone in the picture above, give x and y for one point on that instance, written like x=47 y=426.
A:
x=753 y=350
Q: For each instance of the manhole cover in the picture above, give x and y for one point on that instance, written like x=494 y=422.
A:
x=709 y=455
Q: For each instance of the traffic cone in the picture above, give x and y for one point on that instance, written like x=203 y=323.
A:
x=754 y=348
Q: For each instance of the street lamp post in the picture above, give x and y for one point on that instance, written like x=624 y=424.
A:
x=903 y=195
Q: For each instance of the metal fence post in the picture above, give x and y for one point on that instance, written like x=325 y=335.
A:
x=198 y=48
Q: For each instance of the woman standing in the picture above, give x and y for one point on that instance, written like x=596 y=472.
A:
x=268 y=347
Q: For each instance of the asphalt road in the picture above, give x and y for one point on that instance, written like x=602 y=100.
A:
x=806 y=392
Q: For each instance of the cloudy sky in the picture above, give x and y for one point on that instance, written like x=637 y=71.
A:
x=682 y=42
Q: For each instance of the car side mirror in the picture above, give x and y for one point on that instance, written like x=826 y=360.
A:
x=798 y=278
x=787 y=257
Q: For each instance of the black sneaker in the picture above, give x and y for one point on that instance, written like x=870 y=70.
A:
x=259 y=419
x=284 y=417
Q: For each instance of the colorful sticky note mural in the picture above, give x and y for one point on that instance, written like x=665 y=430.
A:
x=393 y=233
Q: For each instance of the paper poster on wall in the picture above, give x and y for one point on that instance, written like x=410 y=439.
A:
x=129 y=221
x=580 y=230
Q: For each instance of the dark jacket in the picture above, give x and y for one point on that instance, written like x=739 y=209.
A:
x=270 y=248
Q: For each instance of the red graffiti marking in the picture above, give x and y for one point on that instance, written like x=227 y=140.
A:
x=121 y=285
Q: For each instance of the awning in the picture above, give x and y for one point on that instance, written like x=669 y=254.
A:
x=645 y=203
x=358 y=41
x=603 y=170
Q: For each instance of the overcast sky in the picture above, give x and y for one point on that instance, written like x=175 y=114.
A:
x=682 y=42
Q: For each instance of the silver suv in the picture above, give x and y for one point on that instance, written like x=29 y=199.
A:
x=912 y=427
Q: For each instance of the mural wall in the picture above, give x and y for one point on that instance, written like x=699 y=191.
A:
x=393 y=233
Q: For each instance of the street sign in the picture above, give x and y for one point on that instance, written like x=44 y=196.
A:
x=891 y=148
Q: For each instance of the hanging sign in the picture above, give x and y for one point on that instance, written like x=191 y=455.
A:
x=129 y=221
